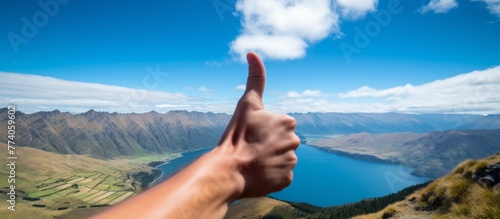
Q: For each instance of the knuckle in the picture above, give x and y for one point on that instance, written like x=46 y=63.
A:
x=284 y=182
x=287 y=183
x=295 y=141
x=244 y=102
x=291 y=120
x=250 y=100
x=294 y=159
x=288 y=179
x=288 y=121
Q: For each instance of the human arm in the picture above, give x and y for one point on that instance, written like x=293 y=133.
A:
x=255 y=157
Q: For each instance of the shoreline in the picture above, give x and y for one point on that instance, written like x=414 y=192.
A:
x=356 y=156
x=168 y=161
x=369 y=158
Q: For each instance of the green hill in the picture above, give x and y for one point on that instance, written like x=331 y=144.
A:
x=471 y=190
x=49 y=184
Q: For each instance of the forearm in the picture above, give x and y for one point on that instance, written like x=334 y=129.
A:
x=203 y=189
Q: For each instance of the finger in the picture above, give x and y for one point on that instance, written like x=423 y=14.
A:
x=289 y=122
x=256 y=75
x=295 y=142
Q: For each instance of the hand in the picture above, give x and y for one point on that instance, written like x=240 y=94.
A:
x=261 y=143
x=255 y=157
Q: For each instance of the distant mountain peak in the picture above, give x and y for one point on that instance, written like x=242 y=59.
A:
x=90 y=112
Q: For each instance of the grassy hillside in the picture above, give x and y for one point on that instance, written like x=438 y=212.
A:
x=273 y=209
x=50 y=184
x=253 y=208
x=458 y=195
x=461 y=194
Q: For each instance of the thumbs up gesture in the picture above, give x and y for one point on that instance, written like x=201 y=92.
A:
x=261 y=143
x=255 y=157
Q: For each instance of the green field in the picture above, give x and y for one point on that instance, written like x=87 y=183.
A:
x=63 y=184
x=95 y=188
x=84 y=188
x=159 y=157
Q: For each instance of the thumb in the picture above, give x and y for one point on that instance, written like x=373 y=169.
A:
x=256 y=75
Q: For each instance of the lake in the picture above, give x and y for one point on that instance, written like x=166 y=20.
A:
x=326 y=179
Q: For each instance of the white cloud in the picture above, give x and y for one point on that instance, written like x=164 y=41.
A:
x=204 y=89
x=34 y=93
x=283 y=29
x=213 y=64
x=270 y=46
x=475 y=92
x=443 y=6
x=305 y=105
x=439 y=6
x=493 y=6
x=241 y=87
x=171 y=105
x=306 y=93
x=366 y=91
x=358 y=8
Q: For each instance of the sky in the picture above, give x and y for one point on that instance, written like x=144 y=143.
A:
x=404 y=56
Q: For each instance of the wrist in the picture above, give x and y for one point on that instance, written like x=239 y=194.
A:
x=226 y=173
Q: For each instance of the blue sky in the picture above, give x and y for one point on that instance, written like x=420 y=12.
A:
x=182 y=54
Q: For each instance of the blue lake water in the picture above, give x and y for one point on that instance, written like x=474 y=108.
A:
x=326 y=179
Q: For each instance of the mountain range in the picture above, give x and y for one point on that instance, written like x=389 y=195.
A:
x=107 y=135
x=348 y=123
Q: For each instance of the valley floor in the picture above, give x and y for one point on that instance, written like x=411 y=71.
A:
x=73 y=186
